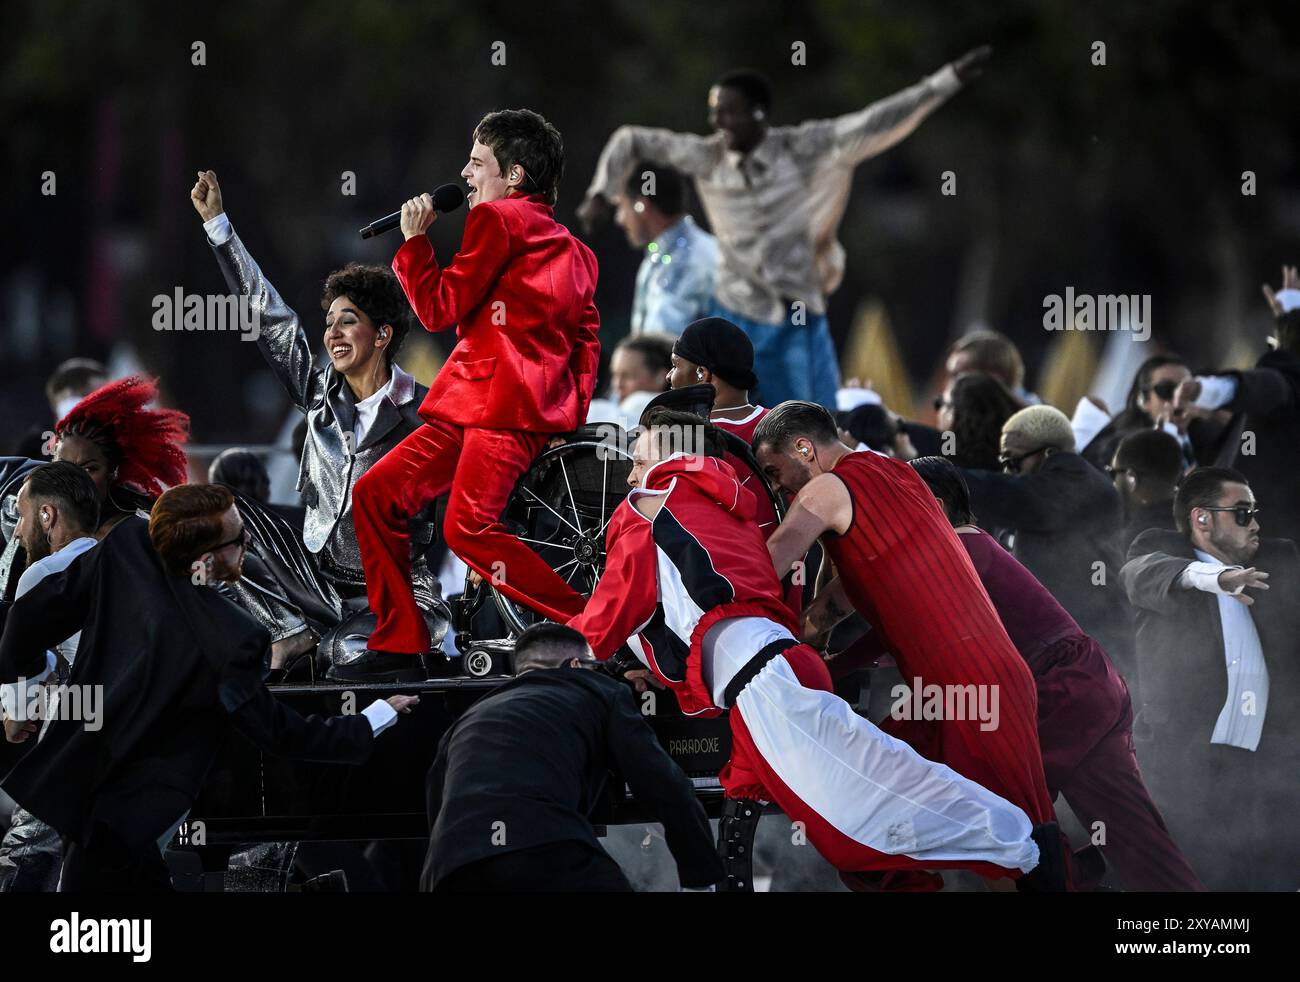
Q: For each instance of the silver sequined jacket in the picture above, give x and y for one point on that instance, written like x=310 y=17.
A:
x=328 y=468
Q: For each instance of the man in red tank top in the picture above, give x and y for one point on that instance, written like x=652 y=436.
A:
x=901 y=565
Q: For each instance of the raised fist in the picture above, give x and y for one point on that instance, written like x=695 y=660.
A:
x=971 y=64
x=206 y=195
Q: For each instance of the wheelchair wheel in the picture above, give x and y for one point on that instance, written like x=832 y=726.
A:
x=561 y=507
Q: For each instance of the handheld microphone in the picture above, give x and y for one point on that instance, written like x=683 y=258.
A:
x=449 y=197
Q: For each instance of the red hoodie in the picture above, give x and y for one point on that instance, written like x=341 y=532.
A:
x=667 y=580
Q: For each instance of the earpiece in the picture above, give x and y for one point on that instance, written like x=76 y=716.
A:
x=1201 y=519
x=804 y=451
x=45 y=515
x=382 y=334
x=699 y=375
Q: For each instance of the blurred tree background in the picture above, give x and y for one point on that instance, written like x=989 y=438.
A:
x=1117 y=178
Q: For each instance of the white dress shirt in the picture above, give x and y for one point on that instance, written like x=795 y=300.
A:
x=1241 y=721
x=16 y=696
x=367 y=410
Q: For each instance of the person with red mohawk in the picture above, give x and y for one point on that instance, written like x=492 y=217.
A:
x=133 y=453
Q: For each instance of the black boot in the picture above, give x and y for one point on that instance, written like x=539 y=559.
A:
x=1049 y=875
x=371 y=665
x=736 y=831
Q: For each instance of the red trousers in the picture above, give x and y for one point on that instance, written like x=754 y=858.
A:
x=479 y=468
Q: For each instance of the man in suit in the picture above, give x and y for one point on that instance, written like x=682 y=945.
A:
x=1062 y=518
x=523 y=369
x=516 y=779
x=1145 y=470
x=172 y=667
x=1262 y=438
x=58 y=512
x=1217 y=624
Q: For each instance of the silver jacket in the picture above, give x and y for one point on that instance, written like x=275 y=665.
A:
x=329 y=465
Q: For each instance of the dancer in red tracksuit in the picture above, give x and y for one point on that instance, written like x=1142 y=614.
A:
x=524 y=368
x=689 y=588
x=900 y=564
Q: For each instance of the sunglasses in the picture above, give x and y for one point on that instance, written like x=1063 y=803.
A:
x=1012 y=465
x=1244 y=514
x=243 y=540
x=1112 y=471
x=1165 y=390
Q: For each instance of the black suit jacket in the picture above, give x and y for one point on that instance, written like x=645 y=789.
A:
x=1180 y=642
x=1153 y=515
x=1065 y=517
x=526 y=765
x=1267 y=404
x=1204 y=435
x=179 y=666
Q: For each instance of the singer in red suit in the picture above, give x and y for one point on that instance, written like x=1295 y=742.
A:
x=524 y=367
x=899 y=562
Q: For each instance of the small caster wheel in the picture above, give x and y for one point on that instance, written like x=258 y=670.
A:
x=479 y=663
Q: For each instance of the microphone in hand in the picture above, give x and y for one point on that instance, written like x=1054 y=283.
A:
x=448 y=197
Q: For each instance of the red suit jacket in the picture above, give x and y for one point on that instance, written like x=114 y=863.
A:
x=521 y=291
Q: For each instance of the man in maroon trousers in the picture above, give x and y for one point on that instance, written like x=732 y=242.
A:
x=1085 y=718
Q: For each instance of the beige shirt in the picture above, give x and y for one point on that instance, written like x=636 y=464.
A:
x=776 y=211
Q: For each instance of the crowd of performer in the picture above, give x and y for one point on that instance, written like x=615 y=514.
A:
x=1099 y=583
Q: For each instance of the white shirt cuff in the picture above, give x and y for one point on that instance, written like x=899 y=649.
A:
x=1216 y=391
x=1289 y=299
x=381 y=716
x=1205 y=576
x=945 y=80
x=14 y=696
x=219 y=229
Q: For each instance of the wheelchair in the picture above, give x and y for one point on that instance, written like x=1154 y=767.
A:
x=560 y=508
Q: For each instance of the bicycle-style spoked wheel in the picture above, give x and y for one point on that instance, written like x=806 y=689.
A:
x=561 y=508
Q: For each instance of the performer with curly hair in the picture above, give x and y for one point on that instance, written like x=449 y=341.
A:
x=358 y=407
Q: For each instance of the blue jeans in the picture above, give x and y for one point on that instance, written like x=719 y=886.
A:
x=792 y=361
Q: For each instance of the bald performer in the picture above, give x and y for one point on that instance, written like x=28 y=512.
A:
x=1060 y=517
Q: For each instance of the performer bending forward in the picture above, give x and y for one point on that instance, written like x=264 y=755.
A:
x=523 y=368
x=900 y=564
x=689 y=587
